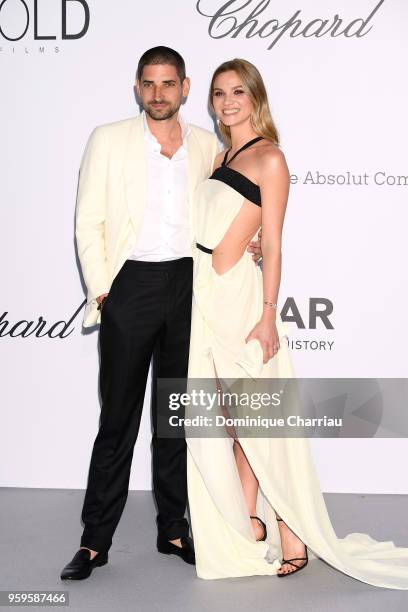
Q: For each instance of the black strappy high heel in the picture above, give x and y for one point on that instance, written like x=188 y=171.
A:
x=294 y=559
x=264 y=528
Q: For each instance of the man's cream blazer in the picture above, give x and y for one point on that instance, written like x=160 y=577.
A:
x=112 y=198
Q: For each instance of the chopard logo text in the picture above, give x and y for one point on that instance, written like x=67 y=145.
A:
x=250 y=18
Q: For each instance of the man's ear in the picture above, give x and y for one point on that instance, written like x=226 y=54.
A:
x=186 y=87
x=136 y=87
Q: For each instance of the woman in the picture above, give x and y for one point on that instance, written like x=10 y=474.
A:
x=237 y=333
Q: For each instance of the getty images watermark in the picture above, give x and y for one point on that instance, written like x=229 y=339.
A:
x=229 y=401
x=283 y=407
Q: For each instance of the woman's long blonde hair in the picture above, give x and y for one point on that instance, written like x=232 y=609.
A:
x=253 y=85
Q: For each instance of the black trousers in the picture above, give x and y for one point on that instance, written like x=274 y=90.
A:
x=147 y=313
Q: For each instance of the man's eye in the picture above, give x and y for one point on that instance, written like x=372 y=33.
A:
x=218 y=93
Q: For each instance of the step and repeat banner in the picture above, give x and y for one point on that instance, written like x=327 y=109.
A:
x=335 y=74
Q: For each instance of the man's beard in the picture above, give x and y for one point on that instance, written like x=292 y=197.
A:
x=162 y=114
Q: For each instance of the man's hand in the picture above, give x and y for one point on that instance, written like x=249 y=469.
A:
x=255 y=248
x=100 y=299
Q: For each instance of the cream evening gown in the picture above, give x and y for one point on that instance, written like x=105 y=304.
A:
x=225 y=309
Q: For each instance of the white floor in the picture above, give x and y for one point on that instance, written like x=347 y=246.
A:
x=40 y=531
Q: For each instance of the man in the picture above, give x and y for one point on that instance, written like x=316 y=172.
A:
x=135 y=243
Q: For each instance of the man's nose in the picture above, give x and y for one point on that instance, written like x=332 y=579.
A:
x=157 y=92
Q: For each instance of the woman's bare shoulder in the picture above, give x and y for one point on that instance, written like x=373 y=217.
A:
x=271 y=158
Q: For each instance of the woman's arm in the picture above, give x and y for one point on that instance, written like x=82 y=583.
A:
x=274 y=185
x=273 y=180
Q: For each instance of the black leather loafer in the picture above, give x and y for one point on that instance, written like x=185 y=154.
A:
x=81 y=565
x=186 y=552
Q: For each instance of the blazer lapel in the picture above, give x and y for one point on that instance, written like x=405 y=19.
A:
x=194 y=161
x=135 y=172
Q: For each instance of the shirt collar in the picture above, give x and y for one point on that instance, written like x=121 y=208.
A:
x=185 y=130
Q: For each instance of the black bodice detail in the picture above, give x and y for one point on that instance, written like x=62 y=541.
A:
x=241 y=183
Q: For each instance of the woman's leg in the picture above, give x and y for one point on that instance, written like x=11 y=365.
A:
x=248 y=479
x=250 y=486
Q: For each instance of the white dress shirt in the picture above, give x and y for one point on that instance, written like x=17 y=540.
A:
x=165 y=230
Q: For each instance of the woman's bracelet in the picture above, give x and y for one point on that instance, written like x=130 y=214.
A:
x=271 y=304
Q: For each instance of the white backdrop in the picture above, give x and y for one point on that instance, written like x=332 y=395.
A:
x=340 y=105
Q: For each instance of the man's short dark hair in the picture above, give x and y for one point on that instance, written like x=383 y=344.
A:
x=162 y=55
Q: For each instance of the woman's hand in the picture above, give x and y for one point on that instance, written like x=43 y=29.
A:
x=100 y=299
x=266 y=333
x=255 y=248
